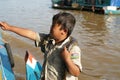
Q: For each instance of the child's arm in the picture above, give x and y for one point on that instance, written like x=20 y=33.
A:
x=72 y=68
x=20 y=31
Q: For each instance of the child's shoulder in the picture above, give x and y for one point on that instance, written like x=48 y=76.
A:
x=72 y=44
x=73 y=40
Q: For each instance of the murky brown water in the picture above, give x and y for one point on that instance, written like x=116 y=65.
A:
x=98 y=36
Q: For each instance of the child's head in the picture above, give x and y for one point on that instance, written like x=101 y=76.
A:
x=66 y=20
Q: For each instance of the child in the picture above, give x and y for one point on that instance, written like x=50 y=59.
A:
x=62 y=55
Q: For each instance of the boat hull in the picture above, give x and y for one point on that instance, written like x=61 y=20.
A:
x=6 y=71
x=111 y=10
x=88 y=6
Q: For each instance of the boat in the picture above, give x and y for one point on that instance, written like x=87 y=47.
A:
x=111 y=9
x=33 y=67
x=99 y=6
x=6 y=63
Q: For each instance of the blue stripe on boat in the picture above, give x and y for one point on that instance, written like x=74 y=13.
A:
x=5 y=64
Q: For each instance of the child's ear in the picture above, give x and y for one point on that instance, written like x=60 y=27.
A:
x=64 y=32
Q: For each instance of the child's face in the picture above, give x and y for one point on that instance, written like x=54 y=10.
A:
x=57 y=33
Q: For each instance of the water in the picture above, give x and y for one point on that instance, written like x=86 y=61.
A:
x=98 y=36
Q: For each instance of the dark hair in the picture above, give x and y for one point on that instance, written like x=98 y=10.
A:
x=66 y=20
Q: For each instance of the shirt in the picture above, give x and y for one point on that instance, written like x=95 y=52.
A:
x=54 y=67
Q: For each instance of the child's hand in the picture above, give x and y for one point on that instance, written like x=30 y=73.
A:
x=66 y=54
x=4 y=25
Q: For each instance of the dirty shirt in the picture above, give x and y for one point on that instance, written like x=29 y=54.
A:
x=54 y=67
